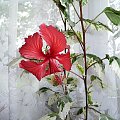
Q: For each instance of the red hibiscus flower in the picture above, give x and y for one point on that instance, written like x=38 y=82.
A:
x=42 y=63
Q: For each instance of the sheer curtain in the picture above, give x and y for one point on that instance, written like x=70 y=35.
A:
x=20 y=18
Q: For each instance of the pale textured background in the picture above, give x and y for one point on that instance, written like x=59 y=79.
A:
x=18 y=19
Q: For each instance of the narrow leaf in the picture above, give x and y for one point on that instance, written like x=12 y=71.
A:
x=90 y=101
x=97 y=25
x=80 y=68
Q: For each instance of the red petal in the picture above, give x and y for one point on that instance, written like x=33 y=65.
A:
x=32 y=49
x=37 y=69
x=64 y=59
x=55 y=39
x=54 y=66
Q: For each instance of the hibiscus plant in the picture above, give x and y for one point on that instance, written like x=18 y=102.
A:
x=46 y=54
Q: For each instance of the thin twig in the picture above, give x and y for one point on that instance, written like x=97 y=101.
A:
x=76 y=74
x=95 y=110
x=76 y=11
x=61 y=17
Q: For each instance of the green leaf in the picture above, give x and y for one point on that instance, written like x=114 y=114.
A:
x=63 y=6
x=91 y=85
x=47 y=117
x=115 y=64
x=90 y=101
x=63 y=112
x=53 y=99
x=96 y=59
x=60 y=6
x=71 y=38
x=84 y=2
x=93 y=78
x=70 y=33
x=80 y=111
x=80 y=68
x=71 y=84
x=105 y=117
x=66 y=98
x=97 y=25
x=75 y=57
x=79 y=35
x=43 y=89
x=114 y=58
x=71 y=80
x=113 y=15
x=53 y=114
x=66 y=2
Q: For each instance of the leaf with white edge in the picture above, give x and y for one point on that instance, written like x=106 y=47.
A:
x=53 y=99
x=43 y=90
x=105 y=117
x=64 y=99
x=93 y=78
x=97 y=25
x=111 y=59
x=71 y=36
x=113 y=15
x=96 y=59
x=15 y=62
x=66 y=2
x=72 y=81
x=116 y=67
x=75 y=57
x=47 y=117
x=64 y=112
